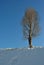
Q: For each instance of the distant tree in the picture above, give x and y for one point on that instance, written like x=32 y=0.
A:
x=30 y=25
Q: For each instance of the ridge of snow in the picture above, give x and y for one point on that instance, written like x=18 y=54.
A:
x=21 y=48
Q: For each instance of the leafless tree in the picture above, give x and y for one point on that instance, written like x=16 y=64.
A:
x=30 y=25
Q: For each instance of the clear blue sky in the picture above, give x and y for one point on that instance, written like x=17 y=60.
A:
x=11 y=14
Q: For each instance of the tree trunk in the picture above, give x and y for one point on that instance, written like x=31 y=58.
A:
x=30 y=36
x=30 y=41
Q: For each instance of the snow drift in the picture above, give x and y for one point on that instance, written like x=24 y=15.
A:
x=22 y=56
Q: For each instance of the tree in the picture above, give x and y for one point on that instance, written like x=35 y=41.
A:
x=30 y=25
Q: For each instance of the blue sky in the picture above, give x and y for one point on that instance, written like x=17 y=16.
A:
x=11 y=14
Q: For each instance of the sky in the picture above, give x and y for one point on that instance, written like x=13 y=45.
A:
x=11 y=15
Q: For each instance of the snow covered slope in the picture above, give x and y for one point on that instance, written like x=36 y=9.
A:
x=22 y=56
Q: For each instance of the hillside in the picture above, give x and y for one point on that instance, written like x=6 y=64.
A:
x=22 y=56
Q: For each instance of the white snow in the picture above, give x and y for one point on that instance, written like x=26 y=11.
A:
x=22 y=56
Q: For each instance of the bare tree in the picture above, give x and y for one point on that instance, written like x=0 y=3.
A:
x=30 y=25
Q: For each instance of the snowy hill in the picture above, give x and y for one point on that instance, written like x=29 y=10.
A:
x=22 y=56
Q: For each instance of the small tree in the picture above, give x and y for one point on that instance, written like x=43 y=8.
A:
x=30 y=25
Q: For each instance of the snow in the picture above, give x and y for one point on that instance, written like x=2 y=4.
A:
x=22 y=56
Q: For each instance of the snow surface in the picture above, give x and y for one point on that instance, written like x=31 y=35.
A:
x=22 y=56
